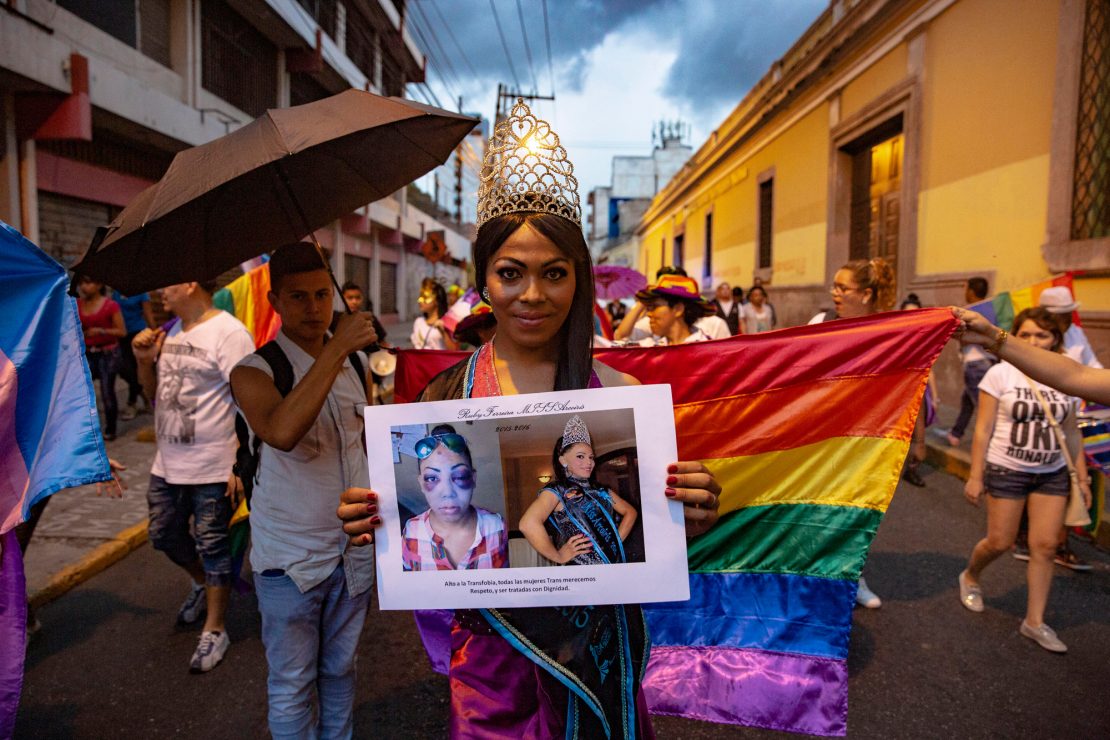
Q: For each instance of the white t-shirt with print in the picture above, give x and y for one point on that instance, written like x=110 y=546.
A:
x=1023 y=438
x=194 y=416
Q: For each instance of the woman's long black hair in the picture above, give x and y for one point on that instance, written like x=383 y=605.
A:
x=576 y=337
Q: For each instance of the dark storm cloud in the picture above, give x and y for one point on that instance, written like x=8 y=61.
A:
x=724 y=46
x=576 y=27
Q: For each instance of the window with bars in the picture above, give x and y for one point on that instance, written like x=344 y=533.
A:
x=1091 y=195
x=142 y=24
x=388 y=288
x=303 y=88
x=707 y=263
x=324 y=12
x=239 y=63
x=362 y=46
x=766 y=212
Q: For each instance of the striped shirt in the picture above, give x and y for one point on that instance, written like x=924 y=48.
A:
x=423 y=549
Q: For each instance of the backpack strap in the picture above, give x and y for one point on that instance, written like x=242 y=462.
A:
x=279 y=364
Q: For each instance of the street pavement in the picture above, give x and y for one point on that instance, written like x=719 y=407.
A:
x=110 y=662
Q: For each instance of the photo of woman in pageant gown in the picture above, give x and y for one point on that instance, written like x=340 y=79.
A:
x=453 y=534
x=574 y=521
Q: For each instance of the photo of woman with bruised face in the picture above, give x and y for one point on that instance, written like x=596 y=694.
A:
x=453 y=534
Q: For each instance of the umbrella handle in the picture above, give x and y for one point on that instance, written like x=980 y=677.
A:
x=311 y=233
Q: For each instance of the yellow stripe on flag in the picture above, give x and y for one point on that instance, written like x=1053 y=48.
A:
x=842 y=471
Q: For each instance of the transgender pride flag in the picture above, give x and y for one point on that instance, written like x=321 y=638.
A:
x=49 y=432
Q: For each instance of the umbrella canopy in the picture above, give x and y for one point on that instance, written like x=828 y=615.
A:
x=613 y=282
x=280 y=177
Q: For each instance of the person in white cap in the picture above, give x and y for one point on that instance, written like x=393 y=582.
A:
x=1059 y=301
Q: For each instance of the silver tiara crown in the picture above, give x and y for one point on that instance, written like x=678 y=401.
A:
x=576 y=432
x=526 y=169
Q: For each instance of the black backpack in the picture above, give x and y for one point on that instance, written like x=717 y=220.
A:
x=247 y=455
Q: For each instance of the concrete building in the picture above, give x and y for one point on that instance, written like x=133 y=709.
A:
x=616 y=209
x=96 y=96
x=954 y=137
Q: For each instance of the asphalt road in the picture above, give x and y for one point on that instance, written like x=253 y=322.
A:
x=110 y=663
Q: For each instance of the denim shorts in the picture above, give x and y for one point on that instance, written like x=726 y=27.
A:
x=172 y=506
x=1002 y=482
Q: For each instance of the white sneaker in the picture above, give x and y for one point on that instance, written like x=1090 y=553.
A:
x=867 y=598
x=194 y=607
x=127 y=413
x=210 y=651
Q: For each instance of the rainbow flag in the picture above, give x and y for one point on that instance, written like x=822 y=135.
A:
x=806 y=429
x=245 y=299
x=1002 y=309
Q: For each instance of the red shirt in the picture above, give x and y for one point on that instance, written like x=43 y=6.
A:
x=102 y=318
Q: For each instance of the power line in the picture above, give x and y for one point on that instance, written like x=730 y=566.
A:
x=504 y=44
x=436 y=59
x=527 y=46
x=547 y=39
x=451 y=35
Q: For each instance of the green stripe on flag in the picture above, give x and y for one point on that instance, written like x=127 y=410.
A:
x=802 y=539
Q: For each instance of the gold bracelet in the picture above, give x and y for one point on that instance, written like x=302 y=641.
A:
x=995 y=348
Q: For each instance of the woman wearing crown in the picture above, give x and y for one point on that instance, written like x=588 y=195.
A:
x=574 y=521
x=541 y=672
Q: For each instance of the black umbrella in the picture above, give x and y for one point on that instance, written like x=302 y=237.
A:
x=273 y=181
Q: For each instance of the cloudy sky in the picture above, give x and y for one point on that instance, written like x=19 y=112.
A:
x=616 y=67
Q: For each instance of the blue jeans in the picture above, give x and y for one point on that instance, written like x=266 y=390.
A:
x=973 y=375
x=171 y=505
x=310 y=642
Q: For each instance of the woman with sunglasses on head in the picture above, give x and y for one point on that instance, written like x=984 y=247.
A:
x=1017 y=459
x=861 y=288
x=575 y=521
x=453 y=534
x=534 y=672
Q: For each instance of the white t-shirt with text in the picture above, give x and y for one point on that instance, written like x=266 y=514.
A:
x=1023 y=439
x=194 y=416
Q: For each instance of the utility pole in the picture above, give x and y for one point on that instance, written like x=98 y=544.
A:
x=504 y=93
x=458 y=175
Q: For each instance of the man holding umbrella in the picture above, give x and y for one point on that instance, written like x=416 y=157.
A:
x=313 y=591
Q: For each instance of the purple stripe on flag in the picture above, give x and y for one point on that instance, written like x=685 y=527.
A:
x=13 y=630
x=779 y=691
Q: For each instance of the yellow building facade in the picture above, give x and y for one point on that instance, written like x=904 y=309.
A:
x=956 y=138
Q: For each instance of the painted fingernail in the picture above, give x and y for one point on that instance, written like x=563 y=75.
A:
x=375 y=521
x=671 y=480
x=367 y=539
x=371 y=508
x=672 y=468
x=371 y=496
x=671 y=493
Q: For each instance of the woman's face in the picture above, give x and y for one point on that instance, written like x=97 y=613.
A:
x=448 y=484
x=1031 y=332
x=579 y=460
x=531 y=288
x=426 y=302
x=662 y=317
x=756 y=297
x=88 y=288
x=849 y=299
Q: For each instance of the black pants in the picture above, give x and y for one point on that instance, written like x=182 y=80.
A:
x=129 y=369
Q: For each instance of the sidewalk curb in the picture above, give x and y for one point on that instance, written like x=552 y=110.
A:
x=99 y=559
x=955 y=461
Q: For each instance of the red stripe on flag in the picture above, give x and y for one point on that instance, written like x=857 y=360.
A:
x=844 y=407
